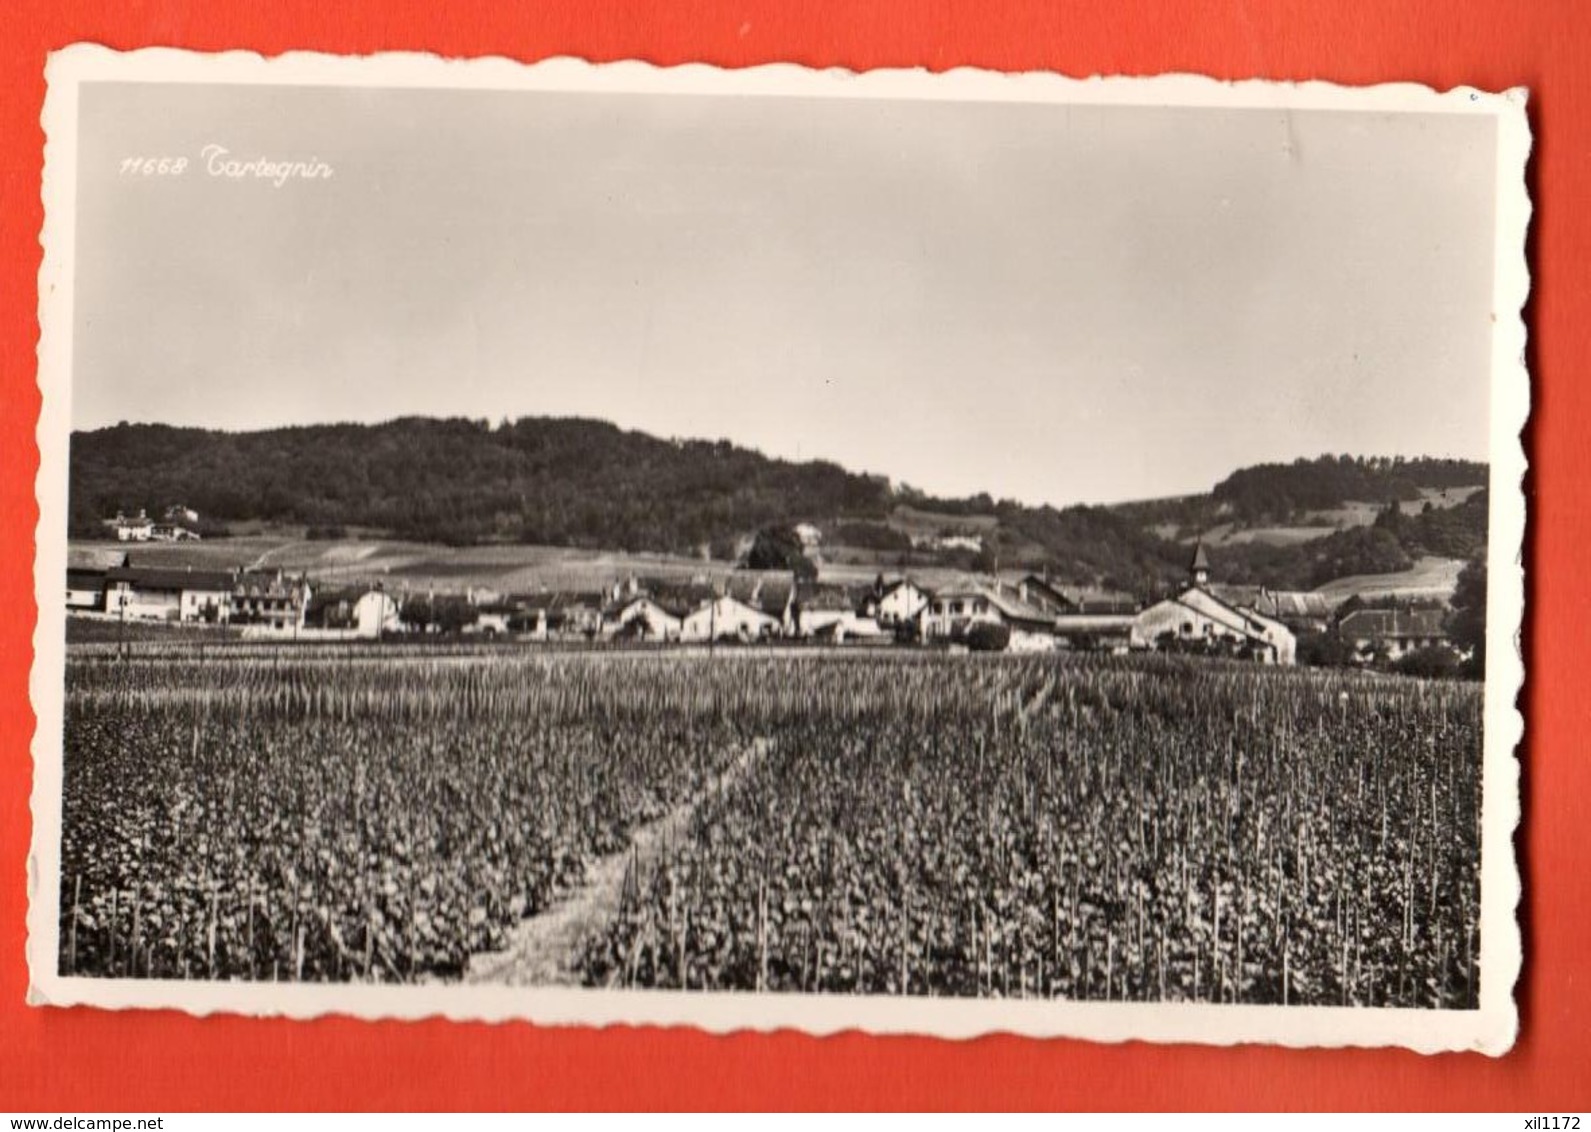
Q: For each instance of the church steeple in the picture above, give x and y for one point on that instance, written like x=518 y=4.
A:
x=1199 y=568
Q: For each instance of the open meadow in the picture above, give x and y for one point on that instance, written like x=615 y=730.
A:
x=1086 y=827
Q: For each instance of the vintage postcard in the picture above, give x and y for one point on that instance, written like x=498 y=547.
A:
x=915 y=553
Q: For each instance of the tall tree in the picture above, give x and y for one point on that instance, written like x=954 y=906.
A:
x=1467 y=623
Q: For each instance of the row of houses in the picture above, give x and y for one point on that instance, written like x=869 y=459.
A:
x=109 y=584
x=1036 y=613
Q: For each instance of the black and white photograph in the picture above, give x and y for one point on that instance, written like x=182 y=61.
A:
x=935 y=553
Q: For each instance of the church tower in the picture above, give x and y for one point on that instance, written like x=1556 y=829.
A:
x=1199 y=568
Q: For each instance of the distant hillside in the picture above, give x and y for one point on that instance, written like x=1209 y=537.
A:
x=1308 y=492
x=563 y=482
x=588 y=484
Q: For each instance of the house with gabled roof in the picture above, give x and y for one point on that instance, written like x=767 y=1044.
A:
x=86 y=570
x=894 y=603
x=643 y=617
x=272 y=599
x=1300 y=610
x=1062 y=598
x=1198 y=620
x=727 y=618
x=829 y=610
x=769 y=592
x=149 y=593
x=954 y=609
x=1393 y=633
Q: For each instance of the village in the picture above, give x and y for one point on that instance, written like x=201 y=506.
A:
x=998 y=611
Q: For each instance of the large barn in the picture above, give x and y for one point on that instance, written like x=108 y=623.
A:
x=1198 y=619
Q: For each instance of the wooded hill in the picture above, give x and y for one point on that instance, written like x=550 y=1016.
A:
x=587 y=483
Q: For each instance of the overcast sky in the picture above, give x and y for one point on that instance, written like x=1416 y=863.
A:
x=1056 y=304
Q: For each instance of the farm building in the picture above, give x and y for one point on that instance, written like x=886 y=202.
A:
x=269 y=598
x=1054 y=597
x=331 y=609
x=85 y=589
x=895 y=603
x=376 y=613
x=1393 y=632
x=154 y=594
x=955 y=609
x=1300 y=611
x=770 y=592
x=643 y=618
x=131 y=528
x=85 y=577
x=726 y=617
x=1198 y=619
x=827 y=610
x=545 y=616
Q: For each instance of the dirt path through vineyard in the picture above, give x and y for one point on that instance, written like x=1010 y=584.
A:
x=544 y=950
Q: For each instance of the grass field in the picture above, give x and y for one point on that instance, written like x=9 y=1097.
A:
x=1084 y=827
x=419 y=566
x=1431 y=579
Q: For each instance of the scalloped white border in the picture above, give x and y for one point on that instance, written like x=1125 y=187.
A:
x=1491 y=1029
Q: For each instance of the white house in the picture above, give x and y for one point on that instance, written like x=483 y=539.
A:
x=952 y=611
x=132 y=528
x=725 y=617
x=151 y=594
x=769 y=592
x=899 y=603
x=827 y=611
x=644 y=618
x=1197 y=619
x=376 y=613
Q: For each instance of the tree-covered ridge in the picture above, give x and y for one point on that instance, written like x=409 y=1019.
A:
x=1278 y=492
x=587 y=483
x=1389 y=545
x=572 y=482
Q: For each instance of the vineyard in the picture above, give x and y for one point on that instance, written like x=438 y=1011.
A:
x=1086 y=827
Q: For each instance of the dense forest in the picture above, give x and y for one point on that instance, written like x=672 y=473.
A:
x=570 y=482
x=1278 y=492
x=1284 y=493
x=587 y=483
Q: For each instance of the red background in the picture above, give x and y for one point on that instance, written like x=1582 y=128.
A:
x=87 y=1060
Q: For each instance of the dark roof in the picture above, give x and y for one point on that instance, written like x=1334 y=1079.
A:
x=155 y=578
x=1005 y=601
x=1246 y=619
x=1393 y=623
x=681 y=598
x=769 y=591
x=85 y=579
x=891 y=587
x=827 y=596
x=1057 y=597
x=1201 y=560
x=1281 y=605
